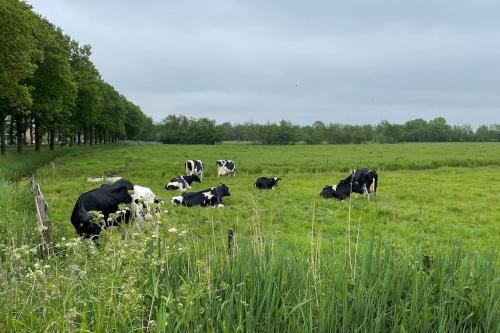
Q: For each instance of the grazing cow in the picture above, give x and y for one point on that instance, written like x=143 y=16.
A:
x=264 y=183
x=182 y=183
x=142 y=199
x=362 y=181
x=105 y=200
x=194 y=167
x=209 y=197
x=226 y=168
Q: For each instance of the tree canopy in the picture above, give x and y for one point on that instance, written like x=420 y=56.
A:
x=49 y=86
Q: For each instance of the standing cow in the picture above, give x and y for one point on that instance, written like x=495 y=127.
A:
x=194 y=167
x=104 y=200
x=103 y=204
x=226 y=168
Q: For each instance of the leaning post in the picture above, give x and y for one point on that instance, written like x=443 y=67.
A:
x=44 y=224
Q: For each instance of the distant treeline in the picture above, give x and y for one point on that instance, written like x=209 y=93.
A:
x=180 y=129
x=50 y=91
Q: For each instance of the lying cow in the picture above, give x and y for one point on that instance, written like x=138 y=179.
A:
x=182 y=183
x=264 y=183
x=226 y=168
x=209 y=197
x=194 y=167
x=142 y=199
x=103 y=204
x=361 y=181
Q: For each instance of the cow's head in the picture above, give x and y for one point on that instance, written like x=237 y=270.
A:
x=328 y=191
x=176 y=201
x=196 y=178
x=223 y=191
x=276 y=180
x=89 y=227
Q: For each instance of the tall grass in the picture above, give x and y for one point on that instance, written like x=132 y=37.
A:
x=160 y=281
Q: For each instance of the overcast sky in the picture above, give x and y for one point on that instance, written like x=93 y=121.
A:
x=335 y=61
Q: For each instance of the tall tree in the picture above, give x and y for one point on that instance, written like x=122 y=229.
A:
x=88 y=99
x=18 y=53
x=54 y=87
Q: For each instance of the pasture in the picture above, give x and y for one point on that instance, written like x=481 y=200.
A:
x=421 y=255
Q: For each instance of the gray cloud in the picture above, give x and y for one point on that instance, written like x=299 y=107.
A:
x=335 y=61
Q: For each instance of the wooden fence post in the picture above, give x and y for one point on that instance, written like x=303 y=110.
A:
x=230 y=242
x=43 y=221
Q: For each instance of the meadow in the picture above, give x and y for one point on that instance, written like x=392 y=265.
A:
x=420 y=256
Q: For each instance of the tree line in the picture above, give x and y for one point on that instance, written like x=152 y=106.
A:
x=184 y=130
x=51 y=91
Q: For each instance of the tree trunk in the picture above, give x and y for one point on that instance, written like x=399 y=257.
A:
x=31 y=131
x=91 y=138
x=79 y=138
x=52 y=138
x=2 y=135
x=25 y=121
x=19 y=133
x=11 y=130
x=38 y=134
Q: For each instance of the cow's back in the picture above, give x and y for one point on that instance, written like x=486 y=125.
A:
x=105 y=199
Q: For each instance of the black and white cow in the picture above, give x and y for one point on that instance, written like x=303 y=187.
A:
x=264 y=183
x=182 y=183
x=103 y=204
x=362 y=181
x=226 y=168
x=209 y=197
x=194 y=167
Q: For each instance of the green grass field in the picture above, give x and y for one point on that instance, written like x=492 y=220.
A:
x=421 y=256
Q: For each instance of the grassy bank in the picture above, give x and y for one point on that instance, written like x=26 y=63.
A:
x=17 y=165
